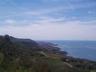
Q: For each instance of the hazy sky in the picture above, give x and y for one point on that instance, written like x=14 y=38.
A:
x=49 y=19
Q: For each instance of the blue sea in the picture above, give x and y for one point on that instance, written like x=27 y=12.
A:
x=78 y=49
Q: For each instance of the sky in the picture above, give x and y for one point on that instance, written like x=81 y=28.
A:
x=49 y=19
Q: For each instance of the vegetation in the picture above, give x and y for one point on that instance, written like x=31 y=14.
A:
x=24 y=55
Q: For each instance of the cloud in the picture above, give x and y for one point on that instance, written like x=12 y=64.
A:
x=55 y=19
x=68 y=30
x=10 y=21
x=45 y=11
x=59 y=10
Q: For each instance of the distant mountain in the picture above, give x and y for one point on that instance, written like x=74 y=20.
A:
x=26 y=42
x=26 y=55
x=15 y=46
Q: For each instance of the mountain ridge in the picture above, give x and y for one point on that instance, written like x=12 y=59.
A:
x=26 y=55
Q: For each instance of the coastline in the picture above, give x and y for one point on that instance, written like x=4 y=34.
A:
x=57 y=49
x=78 y=49
x=27 y=54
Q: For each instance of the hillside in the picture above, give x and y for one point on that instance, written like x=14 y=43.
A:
x=26 y=55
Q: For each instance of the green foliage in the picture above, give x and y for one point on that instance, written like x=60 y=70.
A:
x=1 y=57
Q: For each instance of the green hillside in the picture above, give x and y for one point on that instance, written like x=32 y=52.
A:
x=25 y=55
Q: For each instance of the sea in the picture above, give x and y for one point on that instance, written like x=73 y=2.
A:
x=78 y=49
